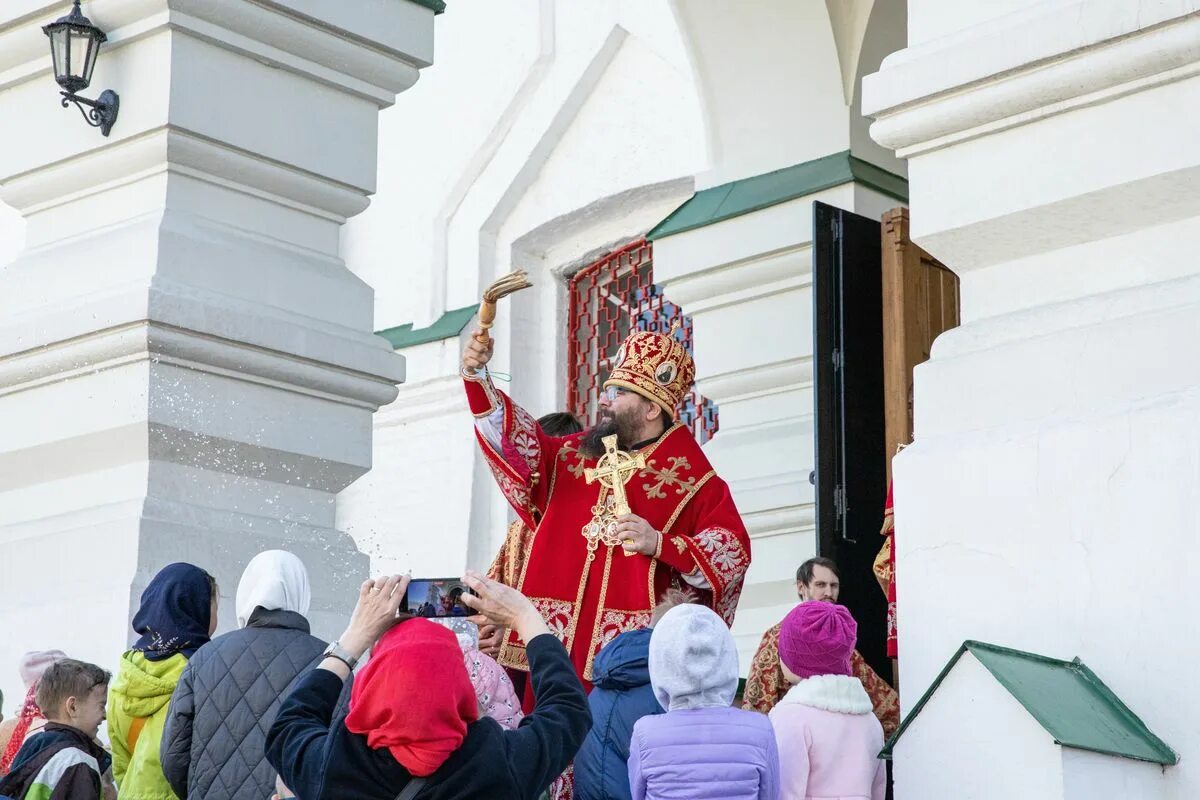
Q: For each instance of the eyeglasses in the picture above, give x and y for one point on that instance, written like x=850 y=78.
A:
x=613 y=392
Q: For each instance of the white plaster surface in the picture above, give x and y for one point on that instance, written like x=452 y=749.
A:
x=589 y=125
x=1093 y=776
x=974 y=741
x=747 y=282
x=1056 y=452
x=187 y=369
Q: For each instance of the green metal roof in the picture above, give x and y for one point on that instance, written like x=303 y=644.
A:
x=437 y=6
x=449 y=324
x=762 y=191
x=1065 y=697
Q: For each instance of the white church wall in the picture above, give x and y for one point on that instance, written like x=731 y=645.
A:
x=935 y=19
x=974 y=741
x=432 y=148
x=1094 y=776
x=770 y=82
x=12 y=234
x=187 y=370
x=593 y=134
x=1056 y=448
x=747 y=282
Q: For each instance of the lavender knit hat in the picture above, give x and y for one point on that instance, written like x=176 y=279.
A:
x=818 y=638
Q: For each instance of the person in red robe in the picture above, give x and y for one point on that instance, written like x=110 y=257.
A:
x=592 y=573
x=885 y=572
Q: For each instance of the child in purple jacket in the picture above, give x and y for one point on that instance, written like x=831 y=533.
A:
x=702 y=748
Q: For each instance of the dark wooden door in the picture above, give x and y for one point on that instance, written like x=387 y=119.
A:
x=851 y=459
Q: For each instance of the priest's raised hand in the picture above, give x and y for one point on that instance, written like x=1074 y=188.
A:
x=477 y=354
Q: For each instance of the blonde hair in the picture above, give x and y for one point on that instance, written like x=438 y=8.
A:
x=671 y=598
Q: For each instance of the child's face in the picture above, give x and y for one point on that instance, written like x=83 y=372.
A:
x=87 y=713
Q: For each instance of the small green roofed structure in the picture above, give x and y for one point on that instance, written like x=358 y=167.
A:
x=1067 y=700
x=447 y=325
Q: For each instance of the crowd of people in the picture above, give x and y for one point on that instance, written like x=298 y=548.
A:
x=270 y=711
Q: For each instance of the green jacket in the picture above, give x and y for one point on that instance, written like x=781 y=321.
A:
x=141 y=689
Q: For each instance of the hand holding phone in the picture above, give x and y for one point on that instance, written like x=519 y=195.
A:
x=435 y=598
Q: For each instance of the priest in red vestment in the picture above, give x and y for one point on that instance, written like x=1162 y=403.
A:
x=592 y=571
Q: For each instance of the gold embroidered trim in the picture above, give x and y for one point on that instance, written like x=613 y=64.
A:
x=514 y=657
x=668 y=477
x=489 y=389
x=683 y=503
x=608 y=557
x=572 y=628
x=680 y=544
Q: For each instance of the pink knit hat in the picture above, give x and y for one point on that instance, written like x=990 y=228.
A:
x=818 y=638
x=35 y=663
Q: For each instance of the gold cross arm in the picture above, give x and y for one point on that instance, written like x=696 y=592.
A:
x=613 y=470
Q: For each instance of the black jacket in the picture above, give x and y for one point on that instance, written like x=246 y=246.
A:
x=323 y=762
x=75 y=764
x=227 y=698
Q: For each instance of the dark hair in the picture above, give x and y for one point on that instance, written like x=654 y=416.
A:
x=805 y=573
x=68 y=678
x=560 y=423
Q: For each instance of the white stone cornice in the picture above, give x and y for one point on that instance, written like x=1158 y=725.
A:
x=780 y=521
x=758 y=381
x=437 y=397
x=145 y=341
x=168 y=149
x=740 y=281
x=373 y=50
x=1026 y=67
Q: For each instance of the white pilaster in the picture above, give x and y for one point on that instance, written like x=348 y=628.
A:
x=1048 y=503
x=187 y=368
x=746 y=282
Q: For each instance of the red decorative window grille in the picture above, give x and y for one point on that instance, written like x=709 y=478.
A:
x=608 y=299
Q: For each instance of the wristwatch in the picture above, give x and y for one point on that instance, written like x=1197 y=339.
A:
x=335 y=650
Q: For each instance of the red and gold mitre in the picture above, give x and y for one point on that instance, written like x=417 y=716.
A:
x=656 y=366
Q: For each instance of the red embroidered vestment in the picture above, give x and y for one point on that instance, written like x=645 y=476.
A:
x=589 y=593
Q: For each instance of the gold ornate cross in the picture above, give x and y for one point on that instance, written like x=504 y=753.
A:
x=613 y=470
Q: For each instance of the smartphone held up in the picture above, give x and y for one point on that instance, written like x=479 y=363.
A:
x=436 y=598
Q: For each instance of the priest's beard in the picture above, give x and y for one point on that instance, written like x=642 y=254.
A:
x=622 y=424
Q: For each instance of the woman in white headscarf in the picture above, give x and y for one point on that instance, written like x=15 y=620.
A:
x=274 y=580
x=231 y=689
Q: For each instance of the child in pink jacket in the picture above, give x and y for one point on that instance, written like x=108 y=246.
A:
x=827 y=735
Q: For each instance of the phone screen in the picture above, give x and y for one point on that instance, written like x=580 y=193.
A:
x=436 y=597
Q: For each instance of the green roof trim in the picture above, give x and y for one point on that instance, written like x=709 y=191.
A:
x=1065 y=697
x=731 y=200
x=436 y=6
x=447 y=325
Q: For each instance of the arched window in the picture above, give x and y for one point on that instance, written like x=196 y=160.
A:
x=609 y=298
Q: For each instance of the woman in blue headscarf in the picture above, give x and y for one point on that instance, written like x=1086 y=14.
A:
x=178 y=614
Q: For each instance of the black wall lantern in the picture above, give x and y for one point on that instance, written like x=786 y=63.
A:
x=74 y=44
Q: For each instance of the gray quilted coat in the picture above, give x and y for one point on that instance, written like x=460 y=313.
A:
x=226 y=700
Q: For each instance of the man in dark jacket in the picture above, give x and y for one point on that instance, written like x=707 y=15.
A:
x=214 y=740
x=620 y=696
